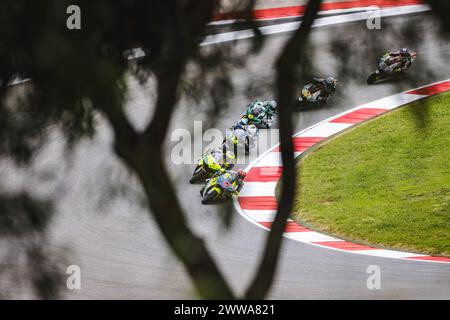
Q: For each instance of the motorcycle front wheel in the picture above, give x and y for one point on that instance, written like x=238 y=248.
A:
x=198 y=176
x=210 y=197
x=374 y=77
x=300 y=103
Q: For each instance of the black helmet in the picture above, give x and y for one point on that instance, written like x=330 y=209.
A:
x=404 y=52
x=331 y=83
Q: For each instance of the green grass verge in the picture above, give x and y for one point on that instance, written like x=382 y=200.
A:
x=386 y=182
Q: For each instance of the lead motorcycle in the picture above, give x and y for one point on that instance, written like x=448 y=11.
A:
x=388 y=68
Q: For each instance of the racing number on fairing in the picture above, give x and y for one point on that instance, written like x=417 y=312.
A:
x=306 y=93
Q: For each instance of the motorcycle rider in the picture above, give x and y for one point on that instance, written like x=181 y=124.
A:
x=236 y=179
x=217 y=161
x=404 y=56
x=327 y=87
x=232 y=178
x=392 y=64
x=259 y=113
x=240 y=134
x=270 y=109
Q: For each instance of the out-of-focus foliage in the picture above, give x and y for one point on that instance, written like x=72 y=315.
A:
x=441 y=8
x=74 y=71
x=24 y=252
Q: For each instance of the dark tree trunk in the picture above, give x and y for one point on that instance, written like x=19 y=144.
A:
x=287 y=62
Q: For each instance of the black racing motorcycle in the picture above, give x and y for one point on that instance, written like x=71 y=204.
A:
x=389 y=68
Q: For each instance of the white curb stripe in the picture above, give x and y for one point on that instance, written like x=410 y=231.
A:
x=311 y=236
x=262 y=189
x=273 y=159
x=394 y=101
x=388 y=253
x=325 y=130
x=261 y=215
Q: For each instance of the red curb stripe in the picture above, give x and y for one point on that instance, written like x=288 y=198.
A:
x=291 y=226
x=302 y=143
x=430 y=258
x=358 y=115
x=344 y=245
x=433 y=89
x=295 y=11
x=258 y=203
x=264 y=174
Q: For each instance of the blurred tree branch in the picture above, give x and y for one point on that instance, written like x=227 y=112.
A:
x=287 y=66
x=24 y=221
x=88 y=66
x=143 y=152
x=441 y=8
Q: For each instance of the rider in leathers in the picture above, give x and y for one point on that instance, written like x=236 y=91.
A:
x=327 y=88
x=403 y=55
x=218 y=161
x=259 y=113
x=236 y=179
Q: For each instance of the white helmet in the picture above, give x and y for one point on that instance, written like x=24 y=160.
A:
x=258 y=107
x=272 y=105
x=251 y=130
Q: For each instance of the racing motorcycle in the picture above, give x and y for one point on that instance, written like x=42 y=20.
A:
x=215 y=189
x=388 y=68
x=247 y=119
x=241 y=136
x=310 y=95
x=203 y=171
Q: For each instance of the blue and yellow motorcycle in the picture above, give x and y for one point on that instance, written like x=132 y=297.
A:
x=215 y=189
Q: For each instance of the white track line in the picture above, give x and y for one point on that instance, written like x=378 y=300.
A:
x=319 y=22
x=291 y=26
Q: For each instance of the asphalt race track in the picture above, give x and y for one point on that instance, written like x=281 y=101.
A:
x=120 y=251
